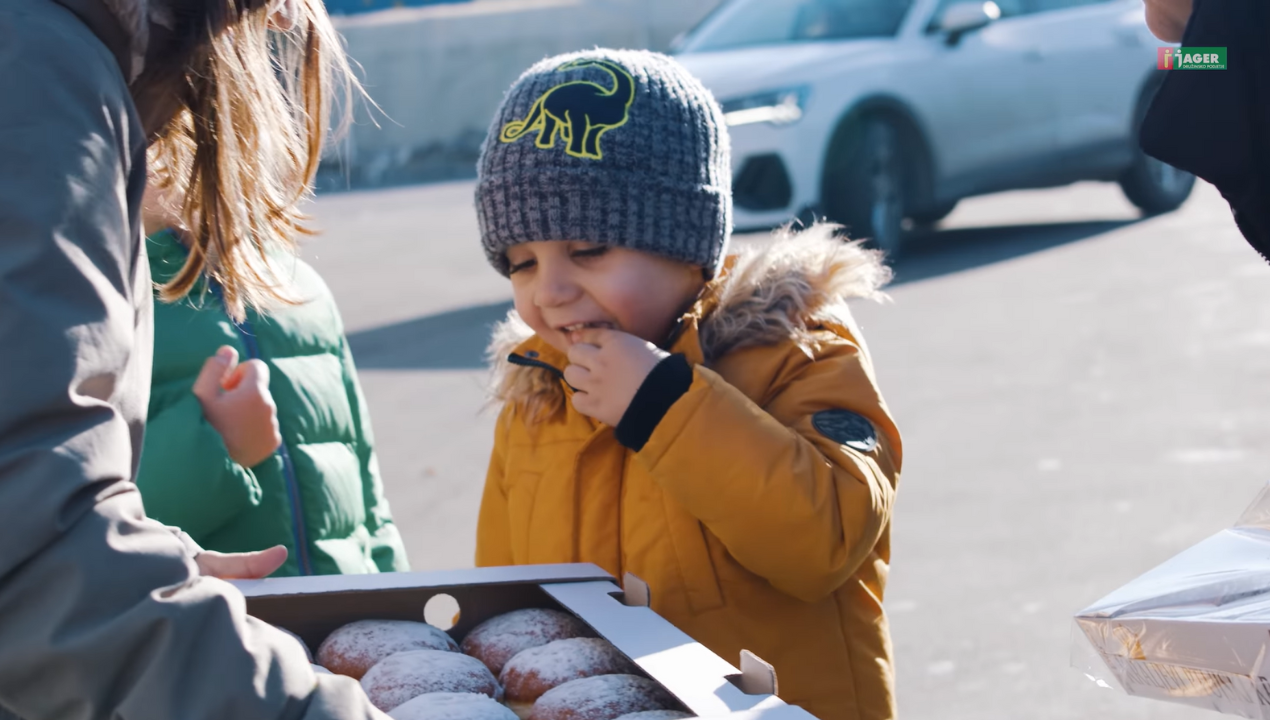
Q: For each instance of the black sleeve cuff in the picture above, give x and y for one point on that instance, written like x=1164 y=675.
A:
x=668 y=382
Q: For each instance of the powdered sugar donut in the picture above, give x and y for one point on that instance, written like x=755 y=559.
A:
x=355 y=648
x=452 y=706
x=501 y=638
x=407 y=675
x=533 y=672
x=603 y=697
x=656 y=715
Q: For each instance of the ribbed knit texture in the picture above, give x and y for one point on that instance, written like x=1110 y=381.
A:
x=655 y=175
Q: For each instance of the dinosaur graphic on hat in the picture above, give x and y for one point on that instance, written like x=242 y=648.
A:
x=579 y=112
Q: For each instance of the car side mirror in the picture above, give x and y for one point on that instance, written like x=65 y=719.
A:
x=966 y=17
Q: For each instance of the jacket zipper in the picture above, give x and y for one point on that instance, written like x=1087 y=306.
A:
x=298 y=533
x=516 y=359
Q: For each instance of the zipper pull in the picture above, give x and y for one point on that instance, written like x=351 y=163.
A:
x=521 y=360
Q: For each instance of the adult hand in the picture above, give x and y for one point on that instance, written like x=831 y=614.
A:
x=607 y=367
x=1167 y=18
x=236 y=401
x=241 y=566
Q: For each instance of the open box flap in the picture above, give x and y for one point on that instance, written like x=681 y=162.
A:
x=704 y=682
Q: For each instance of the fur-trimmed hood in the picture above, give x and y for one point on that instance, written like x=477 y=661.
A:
x=770 y=293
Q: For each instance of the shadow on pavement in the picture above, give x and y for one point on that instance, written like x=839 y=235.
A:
x=453 y=340
x=456 y=340
x=945 y=252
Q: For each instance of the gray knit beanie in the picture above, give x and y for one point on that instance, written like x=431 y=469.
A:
x=615 y=147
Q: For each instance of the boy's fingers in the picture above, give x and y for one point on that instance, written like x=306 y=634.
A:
x=241 y=566
x=577 y=377
x=586 y=403
x=592 y=336
x=214 y=373
x=583 y=354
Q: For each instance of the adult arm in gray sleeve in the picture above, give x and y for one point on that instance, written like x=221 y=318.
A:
x=102 y=614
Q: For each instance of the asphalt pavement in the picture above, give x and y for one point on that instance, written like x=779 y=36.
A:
x=1082 y=392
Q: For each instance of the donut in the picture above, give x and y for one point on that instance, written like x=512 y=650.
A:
x=355 y=648
x=451 y=706
x=407 y=675
x=535 y=671
x=603 y=697
x=501 y=638
x=656 y=715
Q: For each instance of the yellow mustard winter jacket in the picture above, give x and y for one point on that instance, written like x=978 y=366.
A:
x=759 y=510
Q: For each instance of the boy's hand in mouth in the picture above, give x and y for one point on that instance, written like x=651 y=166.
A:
x=607 y=367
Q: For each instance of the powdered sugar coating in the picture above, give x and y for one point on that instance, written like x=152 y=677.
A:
x=603 y=697
x=536 y=670
x=501 y=638
x=355 y=648
x=408 y=675
x=452 y=706
x=656 y=715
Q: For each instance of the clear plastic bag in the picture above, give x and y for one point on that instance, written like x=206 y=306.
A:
x=1196 y=629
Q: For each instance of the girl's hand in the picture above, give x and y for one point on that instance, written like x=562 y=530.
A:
x=282 y=14
x=607 y=367
x=236 y=401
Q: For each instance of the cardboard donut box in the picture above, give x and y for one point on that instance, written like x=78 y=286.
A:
x=705 y=684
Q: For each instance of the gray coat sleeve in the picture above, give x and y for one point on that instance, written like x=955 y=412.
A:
x=102 y=614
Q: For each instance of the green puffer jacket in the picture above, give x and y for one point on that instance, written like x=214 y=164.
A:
x=320 y=493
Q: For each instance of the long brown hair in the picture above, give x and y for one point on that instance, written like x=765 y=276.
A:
x=242 y=114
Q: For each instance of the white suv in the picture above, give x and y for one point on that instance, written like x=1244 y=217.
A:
x=878 y=112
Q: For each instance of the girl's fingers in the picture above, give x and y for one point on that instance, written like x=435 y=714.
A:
x=252 y=375
x=216 y=370
x=282 y=15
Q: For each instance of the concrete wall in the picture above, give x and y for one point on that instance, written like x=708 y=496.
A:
x=439 y=72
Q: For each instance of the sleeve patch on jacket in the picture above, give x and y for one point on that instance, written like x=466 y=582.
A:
x=846 y=428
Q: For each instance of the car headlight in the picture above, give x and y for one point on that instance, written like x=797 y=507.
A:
x=778 y=107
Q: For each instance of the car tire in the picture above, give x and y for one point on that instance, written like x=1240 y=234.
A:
x=935 y=214
x=1155 y=187
x=865 y=184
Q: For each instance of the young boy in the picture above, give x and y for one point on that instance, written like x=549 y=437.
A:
x=711 y=427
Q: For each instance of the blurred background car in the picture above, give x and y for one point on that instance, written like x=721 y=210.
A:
x=883 y=114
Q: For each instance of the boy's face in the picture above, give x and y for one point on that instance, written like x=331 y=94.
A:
x=562 y=286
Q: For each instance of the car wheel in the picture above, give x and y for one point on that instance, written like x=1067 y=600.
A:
x=865 y=185
x=935 y=214
x=1154 y=186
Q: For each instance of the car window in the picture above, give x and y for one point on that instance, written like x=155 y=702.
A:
x=742 y=23
x=1048 y=5
x=1009 y=9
